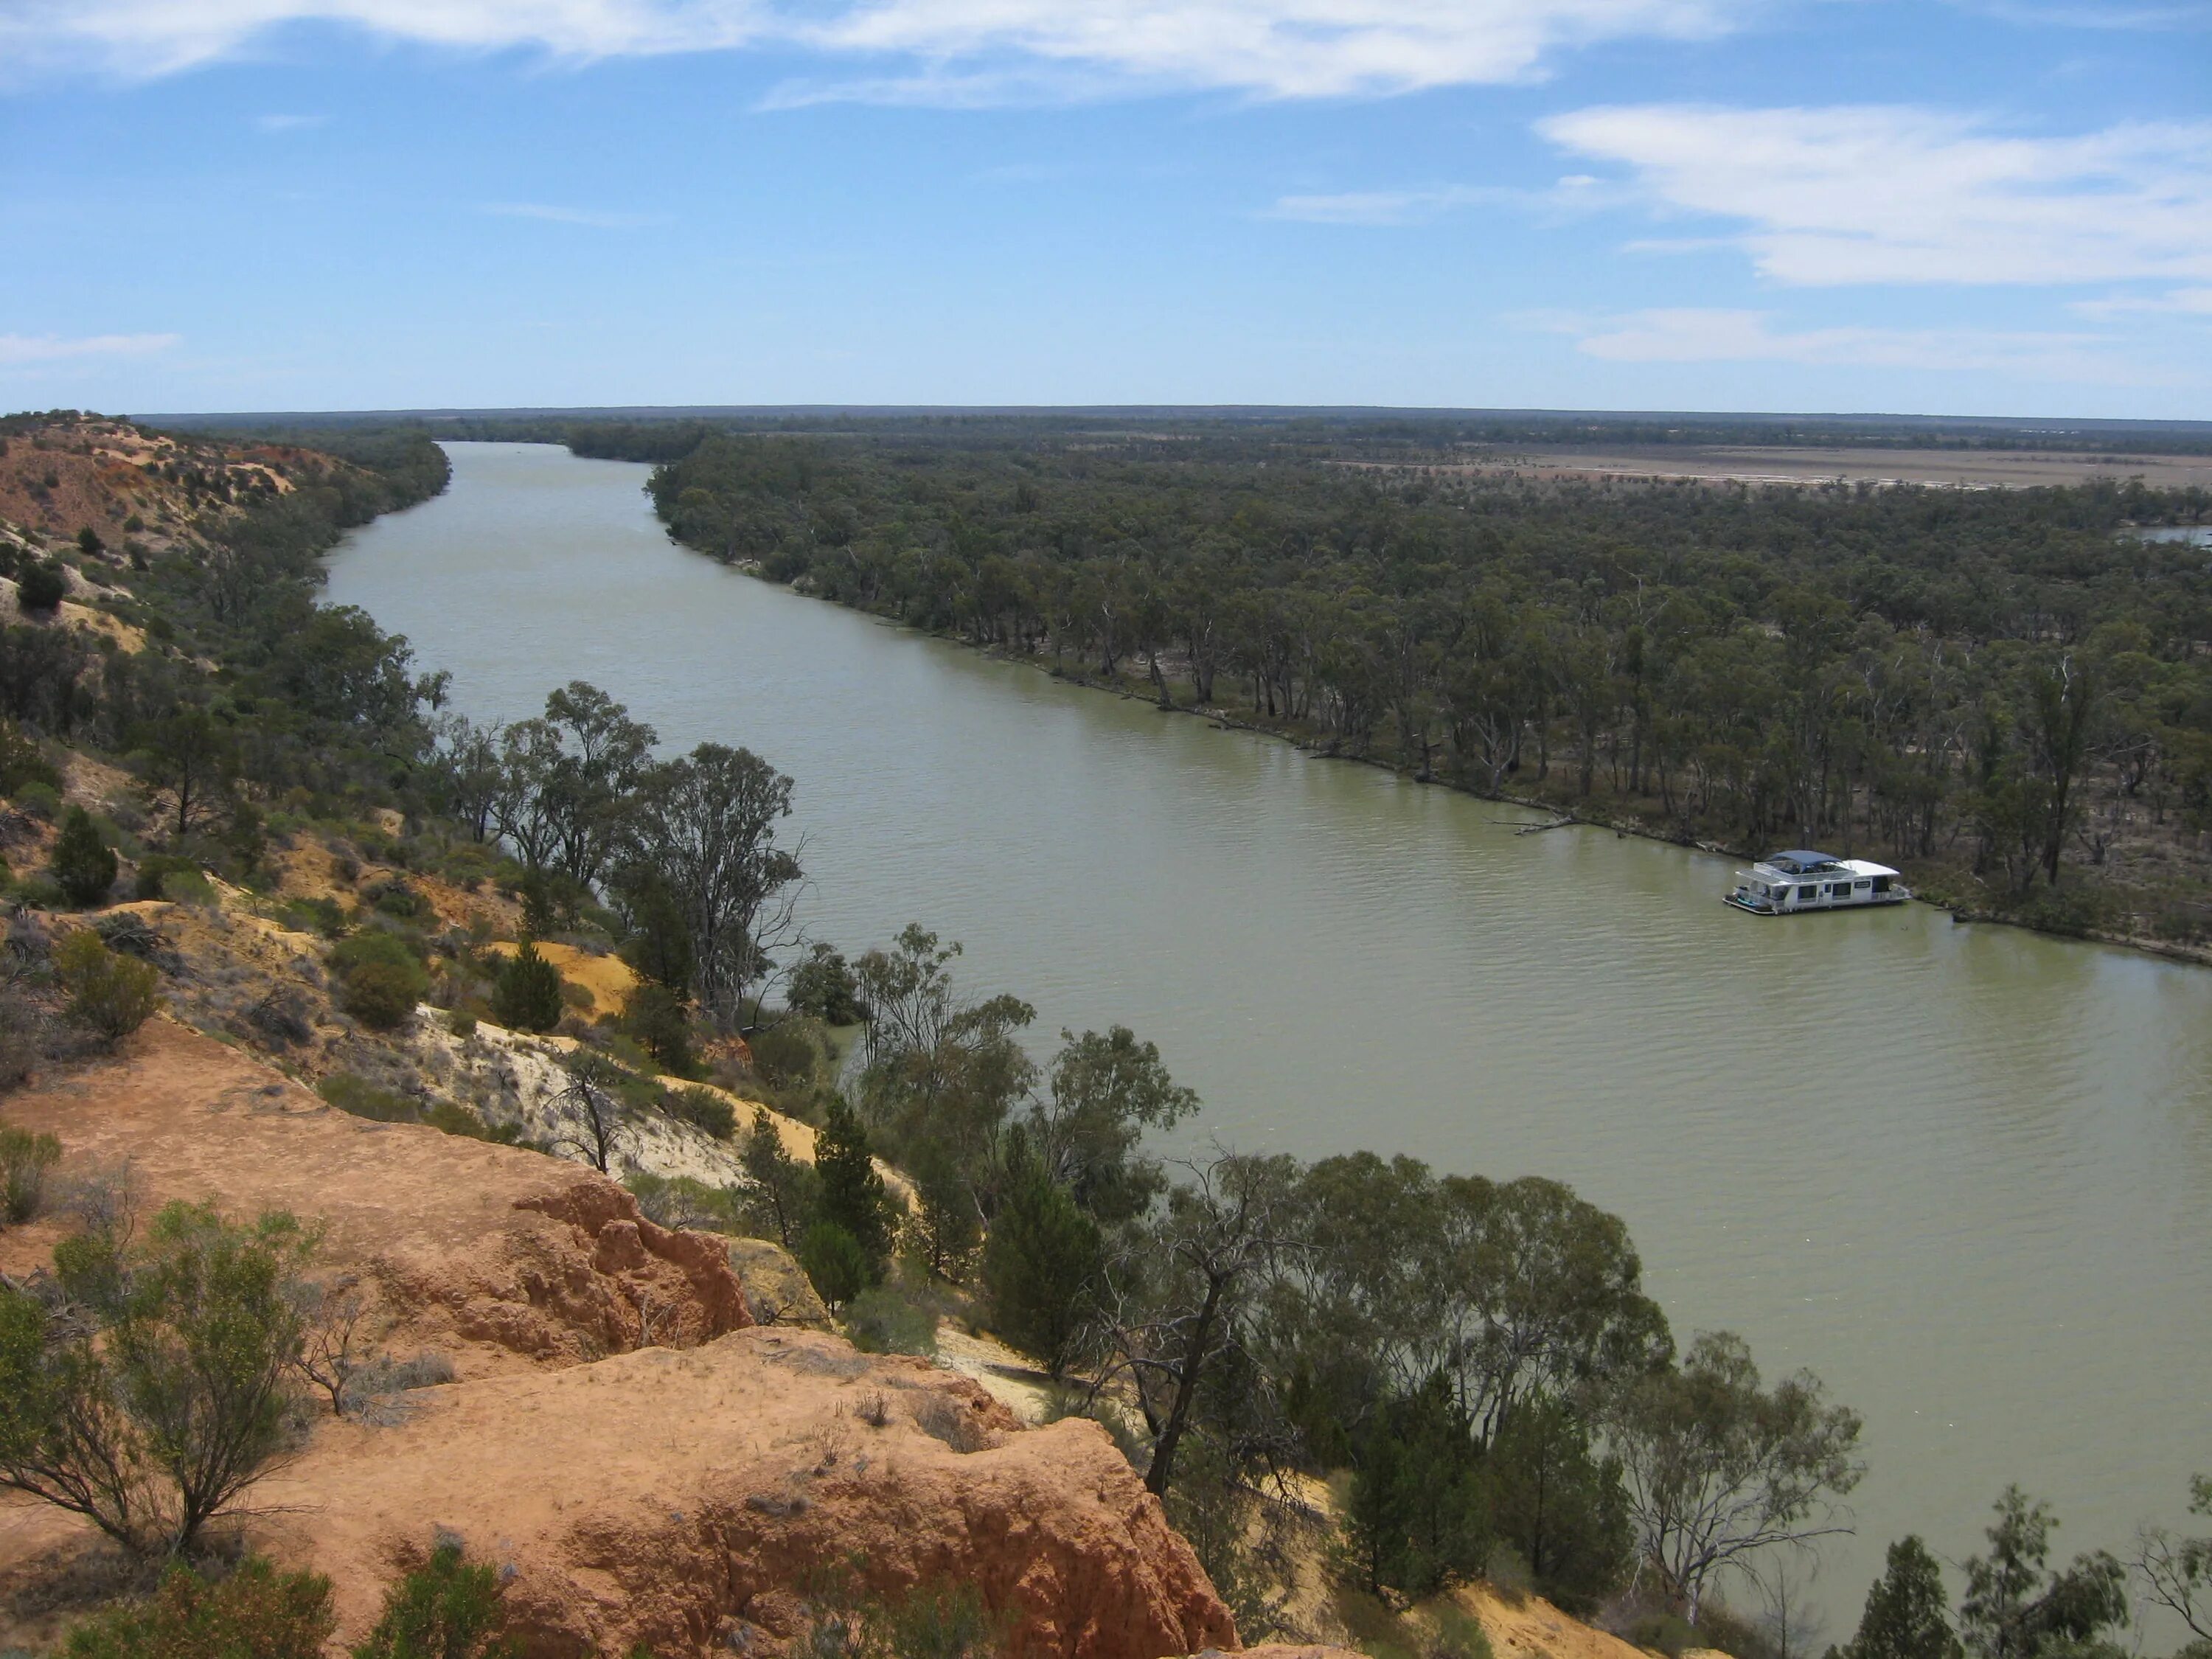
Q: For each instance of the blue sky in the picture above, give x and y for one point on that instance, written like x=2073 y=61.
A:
x=1969 y=206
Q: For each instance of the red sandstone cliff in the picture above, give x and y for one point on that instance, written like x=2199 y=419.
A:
x=651 y=1469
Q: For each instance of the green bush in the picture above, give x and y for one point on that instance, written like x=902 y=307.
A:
x=111 y=993
x=835 y=1263
x=149 y=880
x=525 y=994
x=41 y=799
x=22 y=763
x=824 y=986
x=883 y=1320
x=788 y=1054
x=702 y=1108
x=41 y=586
x=255 y=1612
x=448 y=1609
x=1041 y=1261
x=382 y=995
x=397 y=899
x=24 y=1160
x=167 y=1399
x=655 y=1019
x=83 y=864
x=359 y=1097
x=383 y=979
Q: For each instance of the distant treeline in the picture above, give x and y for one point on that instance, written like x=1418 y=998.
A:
x=2002 y=682
x=1412 y=435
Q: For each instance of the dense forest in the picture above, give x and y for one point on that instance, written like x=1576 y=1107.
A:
x=2004 y=690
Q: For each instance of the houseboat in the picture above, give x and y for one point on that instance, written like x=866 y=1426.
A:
x=1783 y=883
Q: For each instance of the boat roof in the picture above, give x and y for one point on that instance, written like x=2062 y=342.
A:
x=1800 y=859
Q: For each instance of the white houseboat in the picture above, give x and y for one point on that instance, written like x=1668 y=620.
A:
x=1783 y=883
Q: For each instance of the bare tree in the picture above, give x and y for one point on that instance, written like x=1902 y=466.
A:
x=330 y=1317
x=599 y=1124
x=2178 y=1571
x=1718 y=1469
x=1179 y=1298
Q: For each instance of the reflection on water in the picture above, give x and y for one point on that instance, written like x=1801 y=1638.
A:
x=1959 y=1172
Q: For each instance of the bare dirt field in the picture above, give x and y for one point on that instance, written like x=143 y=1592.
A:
x=1980 y=469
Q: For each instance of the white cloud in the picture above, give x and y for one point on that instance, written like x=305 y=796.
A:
x=1578 y=193
x=17 y=351
x=1275 y=48
x=289 y=123
x=2181 y=302
x=1860 y=194
x=566 y=215
x=1378 y=207
x=1701 y=335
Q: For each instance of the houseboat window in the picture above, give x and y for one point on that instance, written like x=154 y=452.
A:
x=1807 y=895
x=1881 y=883
x=1862 y=886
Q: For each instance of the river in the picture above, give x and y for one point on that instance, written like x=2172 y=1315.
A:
x=1959 y=1172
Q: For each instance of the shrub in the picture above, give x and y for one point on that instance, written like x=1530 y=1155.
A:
x=359 y=1097
x=883 y=1319
x=24 y=1160
x=23 y=762
x=823 y=985
x=255 y=1611
x=460 y=1023
x=383 y=995
x=147 y=882
x=83 y=864
x=383 y=978
x=835 y=1263
x=41 y=799
x=788 y=1054
x=526 y=994
x=112 y=994
x=1041 y=1263
x=396 y=898
x=167 y=1397
x=448 y=1609
x=702 y=1108
x=22 y=1030
x=41 y=586
x=657 y=1020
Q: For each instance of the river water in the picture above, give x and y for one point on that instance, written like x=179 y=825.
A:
x=1958 y=1171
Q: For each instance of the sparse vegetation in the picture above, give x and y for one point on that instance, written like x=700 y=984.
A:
x=145 y=1389
x=84 y=863
x=25 y=1160
x=110 y=993
x=252 y=1611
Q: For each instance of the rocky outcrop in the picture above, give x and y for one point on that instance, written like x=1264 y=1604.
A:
x=495 y=1256
x=645 y=1463
x=683 y=1499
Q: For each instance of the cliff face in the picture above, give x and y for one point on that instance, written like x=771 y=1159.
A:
x=651 y=1469
x=495 y=1257
x=682 y=1498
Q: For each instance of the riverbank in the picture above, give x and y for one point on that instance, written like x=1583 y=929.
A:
x=1944 y=886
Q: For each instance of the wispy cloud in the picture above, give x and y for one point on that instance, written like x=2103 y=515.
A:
x=1576 y=193
x=17 y=351
x=1877 y=194
x=2179 y=302
x=2095 y=14
x=1704 y=335
x=965 y=49
x=289 y=123
x=589 y=218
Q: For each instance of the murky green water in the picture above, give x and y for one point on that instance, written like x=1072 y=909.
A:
x=1958 y=1171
